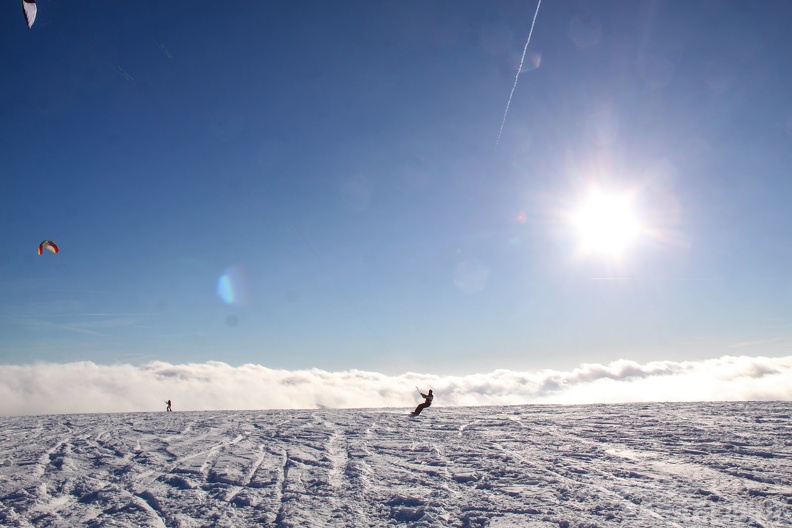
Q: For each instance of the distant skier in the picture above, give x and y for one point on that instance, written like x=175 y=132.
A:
x=168 y=409
x=427 y=403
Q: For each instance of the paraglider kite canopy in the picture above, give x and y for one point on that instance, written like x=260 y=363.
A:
x=47 y=244
x=29 y=10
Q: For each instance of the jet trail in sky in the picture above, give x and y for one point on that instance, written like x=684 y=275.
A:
x=519 y=71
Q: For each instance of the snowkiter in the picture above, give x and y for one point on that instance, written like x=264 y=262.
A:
x=168 y=409
x=427 y=402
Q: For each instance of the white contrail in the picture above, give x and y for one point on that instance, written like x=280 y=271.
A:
x=519 y=70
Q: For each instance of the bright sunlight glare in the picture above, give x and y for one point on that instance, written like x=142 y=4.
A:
x=607 y=224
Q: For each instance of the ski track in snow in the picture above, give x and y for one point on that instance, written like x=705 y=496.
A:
x=636 y=465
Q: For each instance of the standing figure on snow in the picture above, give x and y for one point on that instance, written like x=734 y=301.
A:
x=168 y=409
x=427 y=403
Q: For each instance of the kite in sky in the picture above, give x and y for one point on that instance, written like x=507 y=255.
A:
x=29 y=9
x=47 y=244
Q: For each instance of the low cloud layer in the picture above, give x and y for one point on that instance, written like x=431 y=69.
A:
x=85 y=387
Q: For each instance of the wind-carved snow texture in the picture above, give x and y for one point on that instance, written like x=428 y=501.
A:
x=637 y=465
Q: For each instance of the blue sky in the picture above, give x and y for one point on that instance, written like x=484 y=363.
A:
x=317 y=184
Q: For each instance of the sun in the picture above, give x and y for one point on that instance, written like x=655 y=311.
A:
x=607 y=224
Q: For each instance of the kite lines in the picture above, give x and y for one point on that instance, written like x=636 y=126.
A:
x=519 y=71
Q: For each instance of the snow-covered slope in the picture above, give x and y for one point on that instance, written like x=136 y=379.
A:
x=723 y=464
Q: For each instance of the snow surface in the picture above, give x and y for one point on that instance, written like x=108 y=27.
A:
x=681 y=464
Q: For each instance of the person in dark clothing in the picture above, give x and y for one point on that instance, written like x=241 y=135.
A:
x=169 y=406
x=427 y=403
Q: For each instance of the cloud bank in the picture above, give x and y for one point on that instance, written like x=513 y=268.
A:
x=85 y=387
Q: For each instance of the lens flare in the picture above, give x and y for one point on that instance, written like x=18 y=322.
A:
x=471 y=276
x=232 y=286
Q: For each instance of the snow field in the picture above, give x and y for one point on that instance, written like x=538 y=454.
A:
x=637 y=465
